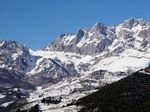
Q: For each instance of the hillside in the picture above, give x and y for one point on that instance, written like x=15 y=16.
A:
x=131 y=94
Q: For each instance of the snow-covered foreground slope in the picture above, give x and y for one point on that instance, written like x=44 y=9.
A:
x=67 y=98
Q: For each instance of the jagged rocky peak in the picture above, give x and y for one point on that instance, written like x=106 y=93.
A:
x=15 y=56
x=13 y=47
x=100 y=37
x=55 y=46
x=60 y=37
x=97 y=27
x=132 y=22
x=80 y=33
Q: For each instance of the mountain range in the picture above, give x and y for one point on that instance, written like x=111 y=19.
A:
x=73 y=63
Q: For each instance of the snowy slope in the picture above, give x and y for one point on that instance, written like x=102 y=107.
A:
x=122 y=62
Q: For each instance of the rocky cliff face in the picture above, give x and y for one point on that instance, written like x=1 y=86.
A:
x=87 y=42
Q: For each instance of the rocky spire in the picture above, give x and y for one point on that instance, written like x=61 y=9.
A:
x=97 y=27
x=79 y=35
x=133 y=22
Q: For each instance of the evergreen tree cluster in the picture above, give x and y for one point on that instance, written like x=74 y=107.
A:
x=32 y=109
x=51 y=100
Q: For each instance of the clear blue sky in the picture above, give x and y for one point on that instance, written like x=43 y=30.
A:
x=36 y=23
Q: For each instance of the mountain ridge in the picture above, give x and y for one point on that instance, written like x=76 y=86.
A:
x=99 y=48
x=108 y=33
x=74 y=64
